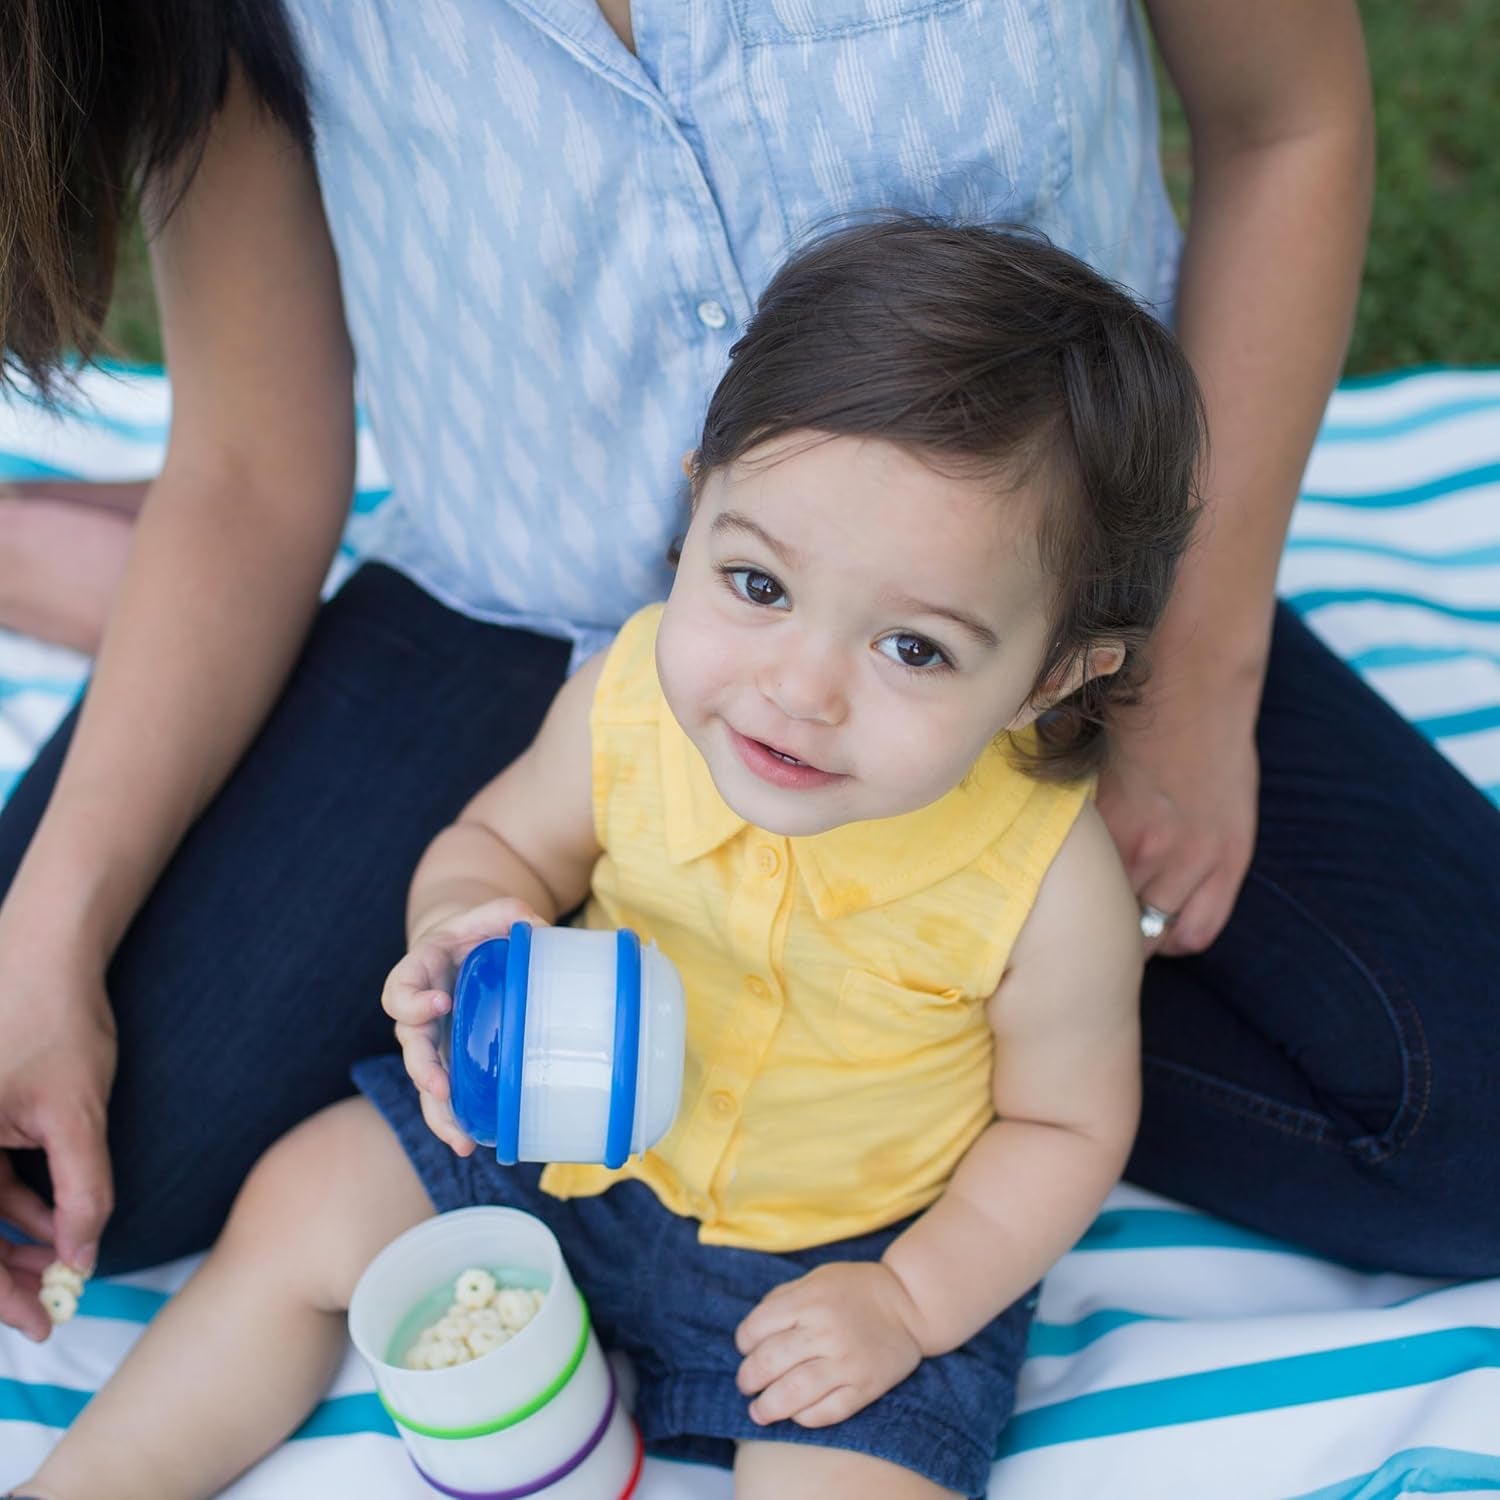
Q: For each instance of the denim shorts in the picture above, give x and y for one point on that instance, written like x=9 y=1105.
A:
x=672 y=1305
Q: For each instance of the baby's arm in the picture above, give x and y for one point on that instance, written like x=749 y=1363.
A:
x=1067 y=1097
x=529 y=834
x=522 y=850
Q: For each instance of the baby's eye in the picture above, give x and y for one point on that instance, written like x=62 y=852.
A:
x=912 y=651
x=759 y=588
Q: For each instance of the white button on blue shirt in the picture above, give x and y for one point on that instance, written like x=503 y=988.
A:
x=548 y=244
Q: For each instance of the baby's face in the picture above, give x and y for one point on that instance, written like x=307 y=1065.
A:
x=849 y=629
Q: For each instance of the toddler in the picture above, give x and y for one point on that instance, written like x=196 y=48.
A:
x=841 y=776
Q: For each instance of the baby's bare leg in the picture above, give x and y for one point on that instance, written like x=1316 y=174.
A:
x=240 y=1356
x=798 y=1471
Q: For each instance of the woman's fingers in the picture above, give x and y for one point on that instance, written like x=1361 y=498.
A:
x=19 y=1308
x=1201 y=917
x=20 y=1206
x=1196 y=890
x=83 y=1191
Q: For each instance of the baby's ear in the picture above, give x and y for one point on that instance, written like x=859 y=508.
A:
x=1101 y=659
x=689 y=463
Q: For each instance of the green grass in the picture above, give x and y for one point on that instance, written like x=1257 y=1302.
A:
x=131 y=331
x=1432 y=285
x=1431 y=292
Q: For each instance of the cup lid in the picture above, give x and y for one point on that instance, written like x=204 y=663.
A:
x=489 y=995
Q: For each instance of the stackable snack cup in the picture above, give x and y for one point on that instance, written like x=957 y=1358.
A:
x=539 y=1416
x=566 y=1044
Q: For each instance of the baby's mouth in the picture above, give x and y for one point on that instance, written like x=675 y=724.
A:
x=780 y=766
x=781 y=755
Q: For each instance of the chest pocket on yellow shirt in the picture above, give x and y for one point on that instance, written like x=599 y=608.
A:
x=879 y=1020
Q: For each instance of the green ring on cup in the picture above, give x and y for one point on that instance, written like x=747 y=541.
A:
x=537 y=1402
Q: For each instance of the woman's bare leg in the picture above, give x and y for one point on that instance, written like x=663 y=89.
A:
x=239 y=1357
x=121 y=497
x=62 y=551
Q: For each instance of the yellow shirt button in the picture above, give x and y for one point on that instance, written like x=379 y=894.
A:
x=721 y=1104
x=767 y=860
x=757 y=987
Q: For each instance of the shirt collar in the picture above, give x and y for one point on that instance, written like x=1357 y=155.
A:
x=860 y=865
x=698 y=818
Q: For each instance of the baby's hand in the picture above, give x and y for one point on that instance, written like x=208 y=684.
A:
x=419 y=992
x=820 y=1348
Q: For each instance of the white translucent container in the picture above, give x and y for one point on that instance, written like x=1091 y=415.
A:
x=565 y=995
x=558 y=1429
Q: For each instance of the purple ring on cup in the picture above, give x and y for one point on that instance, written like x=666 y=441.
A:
x=544 y=1481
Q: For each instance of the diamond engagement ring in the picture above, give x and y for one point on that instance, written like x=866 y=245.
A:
x=1155 y=921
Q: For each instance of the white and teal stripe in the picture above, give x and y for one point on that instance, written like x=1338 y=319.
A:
x=1394 y=554
x=1173 y=1355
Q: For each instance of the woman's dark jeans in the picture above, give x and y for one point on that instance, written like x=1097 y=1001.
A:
x=1326 y=1073
x=1329 y=1071
x=250 y=981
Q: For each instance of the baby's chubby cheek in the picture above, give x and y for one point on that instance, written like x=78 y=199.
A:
x=688 y=667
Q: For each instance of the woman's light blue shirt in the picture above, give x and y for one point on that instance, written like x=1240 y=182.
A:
x=548 y=244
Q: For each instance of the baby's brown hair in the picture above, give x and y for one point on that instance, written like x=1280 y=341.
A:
x=991 y=353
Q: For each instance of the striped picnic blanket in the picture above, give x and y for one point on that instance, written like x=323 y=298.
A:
x=1173 y=1355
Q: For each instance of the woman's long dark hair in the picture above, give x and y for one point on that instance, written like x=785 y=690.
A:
x=97 y=96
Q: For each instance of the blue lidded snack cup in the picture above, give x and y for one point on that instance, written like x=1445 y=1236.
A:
x=566 y=1044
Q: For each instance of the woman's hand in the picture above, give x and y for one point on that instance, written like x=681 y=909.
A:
x=57 y=1062
x=21 y=1266
x=1180 y=793
x=419 y=993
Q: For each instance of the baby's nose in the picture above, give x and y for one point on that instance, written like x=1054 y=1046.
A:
x=808 y=686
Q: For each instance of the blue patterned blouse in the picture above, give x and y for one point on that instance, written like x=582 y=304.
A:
x=548 y=243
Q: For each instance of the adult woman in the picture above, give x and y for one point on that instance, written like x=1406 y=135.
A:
x=549 y=221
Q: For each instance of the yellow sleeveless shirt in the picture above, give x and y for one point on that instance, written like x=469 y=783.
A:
x=838 y=1051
